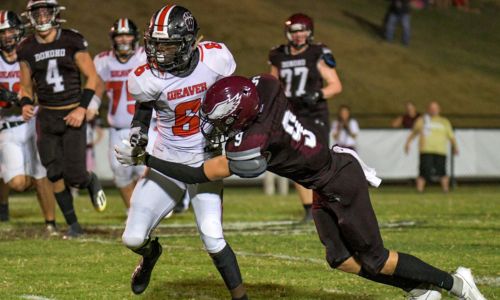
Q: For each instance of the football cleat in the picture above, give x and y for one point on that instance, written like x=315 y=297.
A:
x=425 y=292
x=142 y=273
x=469 y=288
x=74 y=231
x=97 y=195
x=51 y=230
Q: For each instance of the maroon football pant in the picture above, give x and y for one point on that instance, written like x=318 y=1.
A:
x=345 y=220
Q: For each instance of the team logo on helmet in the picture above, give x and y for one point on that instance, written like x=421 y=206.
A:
x=225 y=108
x=188 y=20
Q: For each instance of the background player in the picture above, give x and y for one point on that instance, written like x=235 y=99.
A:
x=265 y=134
x=113 y=67
x=174 y=82
x=20 y=165
x=302 y=66
x=51 y=61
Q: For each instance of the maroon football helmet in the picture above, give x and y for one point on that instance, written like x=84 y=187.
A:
x=299 y=22
x=231 y=104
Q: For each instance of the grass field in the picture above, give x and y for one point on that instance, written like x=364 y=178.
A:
x=278 y=258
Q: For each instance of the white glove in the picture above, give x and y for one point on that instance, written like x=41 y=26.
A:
x=128 y=155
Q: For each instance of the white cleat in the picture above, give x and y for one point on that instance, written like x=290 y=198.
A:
x=469 y=289
x=424 y=293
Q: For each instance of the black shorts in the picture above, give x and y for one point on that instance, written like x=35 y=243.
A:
x=62 y=148
x=345 y=220
x=432 y=165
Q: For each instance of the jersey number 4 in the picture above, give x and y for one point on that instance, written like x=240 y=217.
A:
x=187 y=121
x=53 y=77
x=116 y=88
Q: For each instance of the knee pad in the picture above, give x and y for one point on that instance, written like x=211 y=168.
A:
x=211 y=235
x=133 y=241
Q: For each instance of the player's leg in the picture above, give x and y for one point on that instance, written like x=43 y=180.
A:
x=440 y=167
x=12 y=150
x=154 y=196
x=338 y=254
x=51 y=126
x=425 y=171
x=4 y=201
x=207 y=205
x=359 y=228
x=75 y=167
x=306 y=198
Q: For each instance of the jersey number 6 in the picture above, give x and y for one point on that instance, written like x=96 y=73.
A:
x=187 y=121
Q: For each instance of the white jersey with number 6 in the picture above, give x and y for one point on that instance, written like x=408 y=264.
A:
x=115 y=74
x=178 y=100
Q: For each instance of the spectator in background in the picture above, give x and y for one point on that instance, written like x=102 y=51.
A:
x=408 y=119
x=398 y=12
x=434 y=133
x=345 y=129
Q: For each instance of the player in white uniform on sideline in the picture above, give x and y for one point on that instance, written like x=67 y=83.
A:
x=113 y=67
x=174 y=83
x=19 y=161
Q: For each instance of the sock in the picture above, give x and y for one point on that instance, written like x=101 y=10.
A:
x=307 y=207
x=4 y=212
x=410 y=267
x=402 y=283
x=147 y=248
x=65 y=202
x=51 y=222
x=227 y=265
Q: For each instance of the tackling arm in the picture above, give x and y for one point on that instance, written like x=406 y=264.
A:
x=213 y=169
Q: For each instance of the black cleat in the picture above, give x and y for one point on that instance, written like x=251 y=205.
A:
x=74 y=231
x=97 y=195
x=142 y=273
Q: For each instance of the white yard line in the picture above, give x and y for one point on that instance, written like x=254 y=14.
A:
x=35 y=297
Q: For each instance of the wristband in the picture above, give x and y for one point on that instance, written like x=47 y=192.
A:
x=87 y=95
x=26 y=101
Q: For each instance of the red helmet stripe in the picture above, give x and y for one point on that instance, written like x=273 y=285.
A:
x=2 y=16
x=123 y=24
x=162 y=17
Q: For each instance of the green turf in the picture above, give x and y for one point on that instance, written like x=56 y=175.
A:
x=278 y=259
x=453 y=57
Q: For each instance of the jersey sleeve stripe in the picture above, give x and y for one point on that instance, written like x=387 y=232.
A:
x=244 y=155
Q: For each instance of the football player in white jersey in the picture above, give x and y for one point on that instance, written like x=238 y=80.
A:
x=174 y=82
x=19 y=161
x=113 y=67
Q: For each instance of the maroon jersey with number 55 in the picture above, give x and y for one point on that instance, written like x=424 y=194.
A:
x=291 y=149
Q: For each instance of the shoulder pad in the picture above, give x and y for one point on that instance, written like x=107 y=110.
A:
x=141 y=85
x=248 y=168
x=244 y=155
x=217 y=57
x=103 y=54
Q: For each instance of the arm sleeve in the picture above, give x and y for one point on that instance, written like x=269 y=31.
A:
x=142 y=115
x=178 y=171
x=354 y=127
x=328 y=57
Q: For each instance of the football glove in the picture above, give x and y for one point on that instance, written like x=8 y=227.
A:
x=7 y=96
x=128 y=155
x=138 y=138
x=310 y=99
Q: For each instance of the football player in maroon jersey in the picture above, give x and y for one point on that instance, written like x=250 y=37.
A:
x=262 y=132
x=302 y=67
